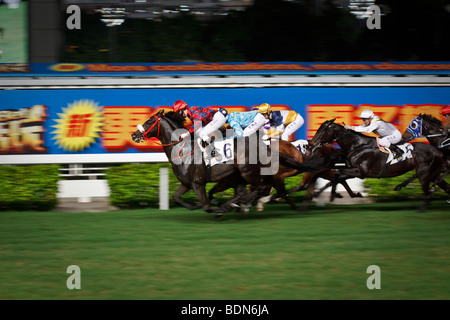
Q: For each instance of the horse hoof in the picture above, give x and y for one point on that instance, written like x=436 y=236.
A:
x=397 y=188
x=244 y=209
x=358 y=195
x=338 y=195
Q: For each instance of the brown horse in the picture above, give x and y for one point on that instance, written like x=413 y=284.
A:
x=322 y=160
x=253 y=162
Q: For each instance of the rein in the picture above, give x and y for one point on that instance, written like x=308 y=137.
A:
x=144 y=133
x=415 y=129
x=145 y=137
x=333 y=141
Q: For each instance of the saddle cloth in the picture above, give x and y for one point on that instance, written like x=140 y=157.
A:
x=407 y=152
x=219 y=151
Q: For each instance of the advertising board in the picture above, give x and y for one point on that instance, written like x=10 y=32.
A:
x=94 y=125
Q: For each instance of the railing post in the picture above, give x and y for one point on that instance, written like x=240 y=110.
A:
x=163 y=188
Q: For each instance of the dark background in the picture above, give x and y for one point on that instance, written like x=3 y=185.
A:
x=269 y=30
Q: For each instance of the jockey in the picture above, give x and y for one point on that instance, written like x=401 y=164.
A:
x=284 y=122
x=389 y=134
x=245 y=123
x=205 y=121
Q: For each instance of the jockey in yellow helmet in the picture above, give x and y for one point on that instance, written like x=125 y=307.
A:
x=283 y=123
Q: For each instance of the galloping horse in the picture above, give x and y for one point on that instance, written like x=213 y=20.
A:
x=365 y=160
x=427 y=126
x=190 y=169
x=324 y=159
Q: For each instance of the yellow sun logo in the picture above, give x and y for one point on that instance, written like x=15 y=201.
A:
x=78 y=125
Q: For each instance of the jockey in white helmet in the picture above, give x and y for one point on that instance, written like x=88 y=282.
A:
x=389 y=134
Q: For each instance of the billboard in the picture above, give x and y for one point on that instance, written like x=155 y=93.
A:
x=94 y=125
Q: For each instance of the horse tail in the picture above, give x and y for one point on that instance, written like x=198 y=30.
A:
x=290 y=162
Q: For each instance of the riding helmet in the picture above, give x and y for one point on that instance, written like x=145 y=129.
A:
x=367 y=114
x=446 y=110
x=264 y=108
x=179 y=105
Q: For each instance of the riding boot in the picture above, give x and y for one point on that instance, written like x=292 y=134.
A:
x=398 y=152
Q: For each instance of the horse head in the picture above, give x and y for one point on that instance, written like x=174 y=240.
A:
x=421 y=126
x=159 y=123
x=325 y=134
x=150 y=128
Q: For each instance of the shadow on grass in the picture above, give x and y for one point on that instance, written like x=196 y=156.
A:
x=283 y=211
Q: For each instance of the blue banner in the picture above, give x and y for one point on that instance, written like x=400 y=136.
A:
x=100 y=121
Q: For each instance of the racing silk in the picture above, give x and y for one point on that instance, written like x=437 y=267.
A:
x=280 y=119
x=199 y=116
x=379 y=126
x=240 y=120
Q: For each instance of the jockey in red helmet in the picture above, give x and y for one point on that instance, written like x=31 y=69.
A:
x=179 y=105
x=446 y=113
x=205 y=121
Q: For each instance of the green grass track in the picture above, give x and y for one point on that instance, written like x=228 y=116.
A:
x=278 y=254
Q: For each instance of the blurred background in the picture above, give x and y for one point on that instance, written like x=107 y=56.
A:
x=223 y=30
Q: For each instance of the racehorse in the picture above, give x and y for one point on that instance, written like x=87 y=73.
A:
x=189 y=165
x=427 y=126
x=325 y=159
x=365 y=160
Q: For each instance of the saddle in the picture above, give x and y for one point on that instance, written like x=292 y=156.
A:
x=300 y=145
x=407 y=148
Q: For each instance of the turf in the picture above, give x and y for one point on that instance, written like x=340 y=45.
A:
x=278 y=254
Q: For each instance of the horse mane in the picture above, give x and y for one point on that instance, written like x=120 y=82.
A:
x=431 y=119
x=175 y=117
x=356 y=133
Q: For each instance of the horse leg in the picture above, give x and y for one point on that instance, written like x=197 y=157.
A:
x=240 y=192
x=439 y=180
x=220 y=186
x=278 y=184
x=350 y=191
x=446 y=187
x=258 y=190
x=262 y=201
x=177 y=197
x=200 y=191
x=405 y=183
x=425 y=178
x=339 y=177
x=328 y=175
x=305 y=183
x=310 y=194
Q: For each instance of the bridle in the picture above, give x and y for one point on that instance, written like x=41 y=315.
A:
x=331 y=142
x=144 y=132
x=416 y=133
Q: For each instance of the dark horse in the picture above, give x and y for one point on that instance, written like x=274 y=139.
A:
x=324 y=159
x=190 y=169
x=427 y=126
x=365 y=160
